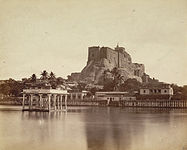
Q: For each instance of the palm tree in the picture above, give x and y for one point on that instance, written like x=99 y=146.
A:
x=44 y=75
x=115 y=71
x=118 y=78
x=52 y=80
x=52 y=76
x=33 y=78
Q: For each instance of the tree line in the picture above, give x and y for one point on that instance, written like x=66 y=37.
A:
x=12 y=87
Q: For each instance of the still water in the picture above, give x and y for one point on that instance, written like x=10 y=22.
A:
x=93 y=128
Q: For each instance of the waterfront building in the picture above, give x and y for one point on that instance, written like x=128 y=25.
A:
x=77 y=94
x=114 y=96
x=71 y=84
x=159 y=91
x=44 y=99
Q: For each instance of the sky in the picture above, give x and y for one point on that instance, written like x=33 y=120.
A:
x=54 y=35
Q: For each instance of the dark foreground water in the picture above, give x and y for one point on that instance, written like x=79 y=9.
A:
x=92 y=128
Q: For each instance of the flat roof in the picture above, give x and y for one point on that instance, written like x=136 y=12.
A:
x=112 y=92
x=44 y=91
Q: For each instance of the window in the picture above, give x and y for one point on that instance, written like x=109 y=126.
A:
x=159 y=90
x=144 y=91
x=151 y=90
x=165 y=91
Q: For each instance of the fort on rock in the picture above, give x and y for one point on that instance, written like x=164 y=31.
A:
x=101 y=59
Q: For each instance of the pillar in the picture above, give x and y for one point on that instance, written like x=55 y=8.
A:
x=40 y=100
x=58 y=102
x=54 y=100
x=31 y=101
x=23 y=103
x=49 y=102
x=66 y=102
x=61 y=102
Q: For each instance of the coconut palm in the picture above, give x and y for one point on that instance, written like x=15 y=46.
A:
x=52 y=76
x=33 y=78
x=44 y=75
x=52 y=80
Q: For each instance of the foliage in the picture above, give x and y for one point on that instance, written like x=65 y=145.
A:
x=44 y=75
x=11 y=88
x=113 y=85
x=184 y=92
x=33 y=78
x=14 y=88
x=60 y=81
x=109 y=85
x=81 y=86
x=52 y=76
x=52 y=80
x=130 y=85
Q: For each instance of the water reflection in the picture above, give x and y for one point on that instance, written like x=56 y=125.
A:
x=120 y=129
x=93 y=128
x=55 y=130
x=44 y=123
x=110 y=129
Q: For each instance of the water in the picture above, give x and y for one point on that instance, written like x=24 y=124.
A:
x=92 y=128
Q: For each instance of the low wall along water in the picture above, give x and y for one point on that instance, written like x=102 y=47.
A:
x=129 y=103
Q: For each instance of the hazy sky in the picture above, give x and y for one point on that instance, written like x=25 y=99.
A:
x=54 y=35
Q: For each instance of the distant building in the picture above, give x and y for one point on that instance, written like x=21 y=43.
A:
x=114 y=96
x=158 y=91
x=77 y=94
x=71 y=83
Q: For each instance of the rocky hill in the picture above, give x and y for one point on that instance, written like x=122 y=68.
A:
x=102 y=59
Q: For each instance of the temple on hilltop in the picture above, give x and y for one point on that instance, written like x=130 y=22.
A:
x=101 y=61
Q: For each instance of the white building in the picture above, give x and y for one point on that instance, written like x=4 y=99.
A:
x=44 y=99
x=161 y=90
x=77 y=95
x=114 y=96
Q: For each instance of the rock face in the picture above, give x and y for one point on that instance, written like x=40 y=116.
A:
x=105 y=58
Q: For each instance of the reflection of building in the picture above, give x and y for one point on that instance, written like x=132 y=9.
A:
x=156 y=91
x=44 y=99
x=112 y=129
x=114 y=96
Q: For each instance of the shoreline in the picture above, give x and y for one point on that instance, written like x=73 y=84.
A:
x=17 y=101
